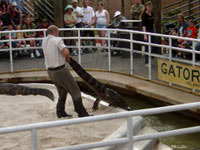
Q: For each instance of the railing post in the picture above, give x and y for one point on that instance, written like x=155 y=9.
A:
x=130 y=133
x=170 y=53
x=11 y=56
x=79 y=46
x=131 y=52
x=109 y=53
x=193 y=58
x=34 y=139
x=149 y=56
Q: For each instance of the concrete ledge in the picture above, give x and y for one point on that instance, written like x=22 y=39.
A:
x=167 y=95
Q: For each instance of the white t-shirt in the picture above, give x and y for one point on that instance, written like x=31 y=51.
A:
x=101 y=18
x=78 y=11
x=88 y=13
x=52 y=47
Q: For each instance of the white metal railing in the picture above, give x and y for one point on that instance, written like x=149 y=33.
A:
x=130 y=139
x=110 y=39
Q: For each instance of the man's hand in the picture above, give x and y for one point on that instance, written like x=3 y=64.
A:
x=65 y=52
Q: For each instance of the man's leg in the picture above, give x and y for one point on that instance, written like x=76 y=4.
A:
x=75 y=92
x=60 y=108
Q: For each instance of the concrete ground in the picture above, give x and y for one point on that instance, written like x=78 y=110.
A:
x=159 y=93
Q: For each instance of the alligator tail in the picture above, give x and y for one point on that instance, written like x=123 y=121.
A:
x=86 y=76
x=14 y=89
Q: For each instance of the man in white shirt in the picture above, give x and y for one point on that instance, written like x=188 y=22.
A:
x=56 y=55
x=88 y=20
x=78 y=12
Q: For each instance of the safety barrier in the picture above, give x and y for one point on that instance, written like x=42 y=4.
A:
x=130 y=139
x=127 y=40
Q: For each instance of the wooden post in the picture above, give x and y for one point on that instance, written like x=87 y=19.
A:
x=157 y=14
x=59 y=12
x=123 y=7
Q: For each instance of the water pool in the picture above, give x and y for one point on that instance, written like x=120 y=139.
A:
x=168 y=121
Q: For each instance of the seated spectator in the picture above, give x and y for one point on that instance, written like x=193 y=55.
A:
x=4 y=13
x=16 y=15
x=13 y=36
x=44 y=25
x=1 y=43
x=20 y=35
x=174 y=42
x=30 y=25
x=191 y=32
x=20 y=5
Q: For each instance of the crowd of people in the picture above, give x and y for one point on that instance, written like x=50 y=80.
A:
x=13 y=16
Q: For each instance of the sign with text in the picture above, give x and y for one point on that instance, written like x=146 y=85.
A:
x=180 y=74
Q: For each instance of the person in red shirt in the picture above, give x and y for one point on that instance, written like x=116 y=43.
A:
x=190 y=32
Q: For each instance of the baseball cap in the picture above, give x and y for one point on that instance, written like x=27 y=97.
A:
x=74 y=1
x=14 y=4
x=117 y=13
x=69 y=7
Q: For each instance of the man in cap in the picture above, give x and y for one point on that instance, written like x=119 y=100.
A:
x=16 y=15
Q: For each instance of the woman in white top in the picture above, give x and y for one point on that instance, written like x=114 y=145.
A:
x=102 y=20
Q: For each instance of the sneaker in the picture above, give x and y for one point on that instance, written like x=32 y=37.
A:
x=86 y=51
x=75 y=53
x=147 y=65
x=37 y=53
x=81 y=51
x=32 y=55
x=84 y=115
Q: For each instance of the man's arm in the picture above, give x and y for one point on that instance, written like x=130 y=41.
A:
x=65 y=52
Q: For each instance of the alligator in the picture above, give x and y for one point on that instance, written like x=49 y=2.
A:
x=15 y=89
x=100 y=89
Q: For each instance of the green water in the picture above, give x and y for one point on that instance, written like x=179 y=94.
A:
x=169 y=121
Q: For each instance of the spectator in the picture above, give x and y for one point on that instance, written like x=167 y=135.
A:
x=190 y=32
x=1 y=25
x=78 y=12
x=20 y=35
x=137 y=10
x=102 y=20
x=16 y=15
x=182 y=25
x=4 y=13
x=44 y=25
x=148 y=25
x=174 y=42
x=117 y=23
x=88 y=20
x=29 y=25
x=13 y=36
x=20 y=5
x=70 y=21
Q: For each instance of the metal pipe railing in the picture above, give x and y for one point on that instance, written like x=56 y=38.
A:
x=130 y=139
x=131 y=50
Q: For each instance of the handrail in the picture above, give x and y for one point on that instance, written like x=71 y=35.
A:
x=172 y=4
x=130 y=50
x=152 y=111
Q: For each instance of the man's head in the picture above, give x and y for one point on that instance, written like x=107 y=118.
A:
x=45 y=23
x=74 y=3
x=10 y=27
x=191 y=23
x=52 y=30
x=137 y=2
x=85 y=3
x=117 y=15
